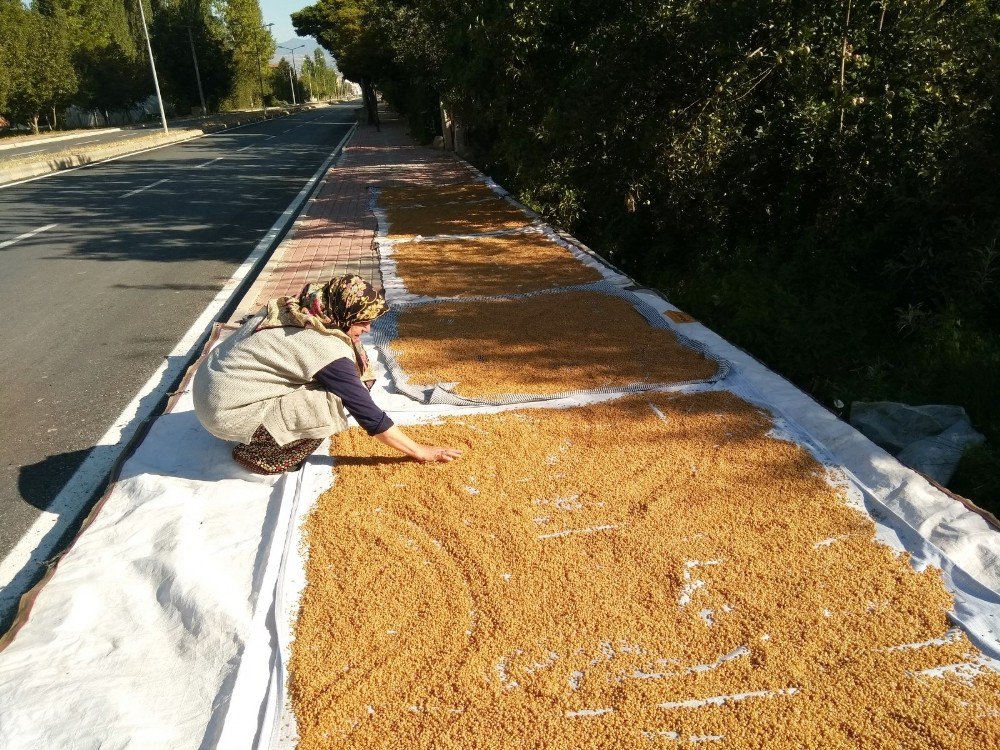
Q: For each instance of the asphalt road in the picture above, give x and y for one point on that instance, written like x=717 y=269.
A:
x=43 y=149
x=103 y=270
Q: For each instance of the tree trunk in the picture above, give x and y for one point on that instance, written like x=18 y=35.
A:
x=34 y=124
x=371 y=102
x=447 y=128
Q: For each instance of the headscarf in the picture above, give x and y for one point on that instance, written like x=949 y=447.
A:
x=329 y=308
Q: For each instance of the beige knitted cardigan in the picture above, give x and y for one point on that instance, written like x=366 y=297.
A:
x=268 y=379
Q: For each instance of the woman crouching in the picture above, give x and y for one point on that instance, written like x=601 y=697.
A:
x=290 y=375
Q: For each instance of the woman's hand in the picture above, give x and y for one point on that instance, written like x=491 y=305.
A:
x=425 y=454
x=428 y=454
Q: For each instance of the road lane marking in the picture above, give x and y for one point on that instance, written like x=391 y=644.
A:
x=26 y=235
x=139 y=190
x=26 y=153
x=33 y=551
x=92 y=140
x=210 y=162
x=245 y=148
x=269 y=137
x=220 y=134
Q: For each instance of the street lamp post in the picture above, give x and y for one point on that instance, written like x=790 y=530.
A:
x=296 y=72
x=152 y=65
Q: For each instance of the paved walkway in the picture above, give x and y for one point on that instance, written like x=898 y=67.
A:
x=335 y=234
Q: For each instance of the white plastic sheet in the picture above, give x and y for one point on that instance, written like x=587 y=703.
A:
x=136 y=639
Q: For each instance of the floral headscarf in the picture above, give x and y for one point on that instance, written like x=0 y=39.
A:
x=329 y=308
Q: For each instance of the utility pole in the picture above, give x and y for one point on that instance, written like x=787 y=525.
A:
x=197 y=73
x=291 y=85
x=296 y=72
x=152 y=65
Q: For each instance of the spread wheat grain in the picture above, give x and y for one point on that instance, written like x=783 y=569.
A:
x=455 y=218
x=488 y=266
x=696 y=595
x=434 y=195
x=546 y=344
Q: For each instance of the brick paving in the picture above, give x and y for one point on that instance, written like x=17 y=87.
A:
x=335 y=234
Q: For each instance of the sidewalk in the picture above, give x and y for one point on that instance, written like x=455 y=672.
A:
x=335 y=234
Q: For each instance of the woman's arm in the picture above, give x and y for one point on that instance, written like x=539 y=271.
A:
x=341 y=378
x=396 y=438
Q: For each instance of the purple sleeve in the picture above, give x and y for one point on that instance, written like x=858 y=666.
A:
x=341 y=378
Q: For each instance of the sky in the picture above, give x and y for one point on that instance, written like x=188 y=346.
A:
x=278 y=12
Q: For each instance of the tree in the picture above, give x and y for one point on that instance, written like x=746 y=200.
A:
x=43 y=73
x=107 y=51
x=318 y=77
x=12 y=31
x=280 y=78
x=352 y=31
x=179 y=25
x=252 y=46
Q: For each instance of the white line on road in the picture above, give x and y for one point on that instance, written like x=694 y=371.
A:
x=269 y=137
x=153 y=185
x=92 y=140
x=212 y=161
x=38 y=543
x=245 y=148
x=27 y=153
x=26 y=235
x=220 y=134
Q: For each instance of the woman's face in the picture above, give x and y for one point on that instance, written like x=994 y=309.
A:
x=356 y=329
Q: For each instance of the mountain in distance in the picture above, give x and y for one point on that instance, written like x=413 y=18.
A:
x=308 y=44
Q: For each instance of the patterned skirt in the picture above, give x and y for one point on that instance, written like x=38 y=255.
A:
x=264 y=456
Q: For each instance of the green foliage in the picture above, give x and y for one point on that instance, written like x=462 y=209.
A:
x=41 y=74
x=177 y=26
x=109 y=56
x=318 y=78
x=12 y=31
x=252 y=47
x=281 y=79
x=354 y=32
